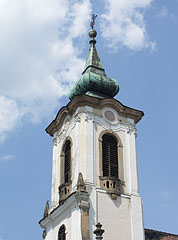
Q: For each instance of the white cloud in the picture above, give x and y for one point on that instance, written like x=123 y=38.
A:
x=7 y=158
x=10 y=113
x=123 y=24
x=164 y=13
x=39 y=59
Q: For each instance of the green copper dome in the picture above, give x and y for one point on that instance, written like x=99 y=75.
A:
x=94 y=81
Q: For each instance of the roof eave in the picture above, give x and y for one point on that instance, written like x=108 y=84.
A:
x=83 y=100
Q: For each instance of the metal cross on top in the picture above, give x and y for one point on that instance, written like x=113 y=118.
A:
x=93 y=21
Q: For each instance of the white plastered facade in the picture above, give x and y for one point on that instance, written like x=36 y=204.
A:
x=121 y=218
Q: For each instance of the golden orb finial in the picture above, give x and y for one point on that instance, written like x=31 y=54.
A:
x=92 y=33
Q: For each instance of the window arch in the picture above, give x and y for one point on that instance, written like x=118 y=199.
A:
x=67 y=161
x=109 y=156
x=61 y=233
x=65 y=183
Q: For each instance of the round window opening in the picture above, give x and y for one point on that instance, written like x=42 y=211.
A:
x=109 y=115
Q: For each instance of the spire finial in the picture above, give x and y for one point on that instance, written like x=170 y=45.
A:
x=92 y=33
x=93 y=21
x=94 y=82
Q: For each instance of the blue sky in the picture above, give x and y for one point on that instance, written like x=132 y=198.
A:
x=43 y=49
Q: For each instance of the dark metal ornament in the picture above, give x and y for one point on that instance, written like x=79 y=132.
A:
x=93 y=21
x=99 y=232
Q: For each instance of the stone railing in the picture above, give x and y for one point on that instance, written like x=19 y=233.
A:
x=65 y=190
x=112 y=185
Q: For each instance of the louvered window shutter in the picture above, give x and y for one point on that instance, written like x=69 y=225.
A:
x=61 y=233
x=110 y=156
x=67 y=161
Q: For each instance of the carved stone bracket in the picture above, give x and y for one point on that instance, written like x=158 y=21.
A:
x=84 y=206
x=112 y=186
x=65 y=190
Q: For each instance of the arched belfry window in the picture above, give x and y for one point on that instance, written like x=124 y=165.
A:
x=65 y=187
x=109 y=156
x=61 y=233
x=67 y=161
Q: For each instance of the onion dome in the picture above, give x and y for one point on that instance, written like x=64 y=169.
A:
x=94 y=81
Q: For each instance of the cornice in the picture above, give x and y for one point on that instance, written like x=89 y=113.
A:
x=59 y=210
x=84 y=100
x=80 y=198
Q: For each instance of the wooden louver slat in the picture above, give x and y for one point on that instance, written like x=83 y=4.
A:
x=110 y=156
x=105 y=159
x=67 y=161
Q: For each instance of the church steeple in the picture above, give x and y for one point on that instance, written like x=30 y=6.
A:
x=94 y=81
x=93 y=59
x=94 y=166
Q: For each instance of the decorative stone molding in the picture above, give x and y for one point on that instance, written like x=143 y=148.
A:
x=62 y=158
x=54 y=141
x=89 y=117
x=111 y=185
x=110 y=115
x=83 y=100
x=99 y=232
x=44 y=234
x=120 y=154
x=79 y=197
x=135 y=133
x=86 y=118
x=131 y=130
x=54 y=204
x=80 y=183
x=77 y=118
x=46 y=210
x=60 y=138
x=45 y=214
x=85 y=222
x=65 y=190
x=84 y=205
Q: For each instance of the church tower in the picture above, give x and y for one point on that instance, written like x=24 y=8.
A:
x=94 y=168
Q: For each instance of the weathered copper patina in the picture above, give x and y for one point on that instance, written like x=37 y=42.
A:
x=94 y=81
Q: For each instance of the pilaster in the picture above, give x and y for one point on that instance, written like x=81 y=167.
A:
x=132 y=160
